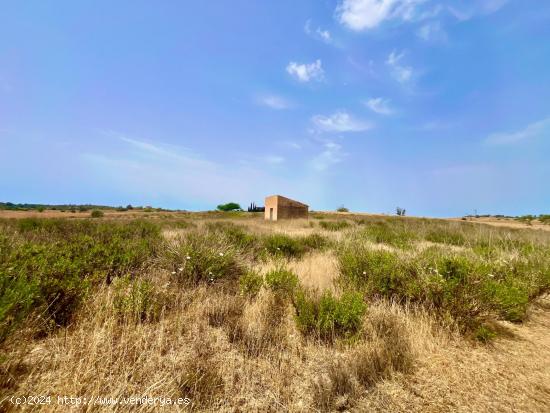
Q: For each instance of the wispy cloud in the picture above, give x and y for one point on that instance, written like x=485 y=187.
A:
x=432 y=32
x=274 y=102
x=379 y=105
x=340 y=121
x=317 y=33
x=361 y=15
x=532 y=131
x=306 y=72
x=331 y=154
x=400 y=72
x=477 y=8
x=274 y=159
x=291 y=145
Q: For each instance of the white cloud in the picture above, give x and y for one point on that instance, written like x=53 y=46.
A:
x=331 y=154
x=274 y=102
x=360 y=15
x=305 y=72
x=291 y=145
x=318 y=33
x=478 y=8
x=400 y=72
x=339 y=121
x=274 y=159
x=432 y=31
x=380 y=106
x=532 y=131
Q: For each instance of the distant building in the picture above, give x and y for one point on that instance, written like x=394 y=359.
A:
x=279 y=207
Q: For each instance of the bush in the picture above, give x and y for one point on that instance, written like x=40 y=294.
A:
x=48 y=266
x=376 y=272
x=136 y=300
x=281 y=281
x=201 y=257
x=334 y=225
x=235 y=234
x=96 y=213
x=251 y=282
x=391 y=233
x=445 y=236
x=328 y=317
x=484 y=334
x=342 y=209
x=283 y=245
x=314 y=242
x=231 y=206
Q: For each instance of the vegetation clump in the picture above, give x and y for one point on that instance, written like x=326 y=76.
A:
x=230 y=206
x=203 y=257
x=334 y=225
x=48 y=265
x=250 y=283
x=96 y=213
x=327 y=316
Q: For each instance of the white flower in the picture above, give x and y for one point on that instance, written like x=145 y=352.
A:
x=188 y=257
x=278 y=249
x=180 y=269
x=173 y=272
x=364 y=273
x=491 y=275
x=221 y=254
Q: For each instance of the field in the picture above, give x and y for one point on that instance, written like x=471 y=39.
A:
x=340 y=312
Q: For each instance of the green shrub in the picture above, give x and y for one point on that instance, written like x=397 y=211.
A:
x=376 y=272
x=395 y=234
x=48 y=265
x=231 y=206
x=283 y=245
x=235 y=234
x=96 y=213
x=314 y=242
x=281 y=280
x=334 y=225
x=445 y=236
x=251 y=282
x=136 y=300
x=342 y=209
x=327 y=316
x=203 y=257
x=484 y=334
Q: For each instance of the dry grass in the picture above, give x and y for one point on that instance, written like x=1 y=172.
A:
x=228 y=352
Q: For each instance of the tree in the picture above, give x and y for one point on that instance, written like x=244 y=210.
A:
x=342 y=208
x=231 y=206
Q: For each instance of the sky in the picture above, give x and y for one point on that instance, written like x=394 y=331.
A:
x=440 y=107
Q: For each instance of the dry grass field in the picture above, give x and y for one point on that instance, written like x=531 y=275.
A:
x=341 y=312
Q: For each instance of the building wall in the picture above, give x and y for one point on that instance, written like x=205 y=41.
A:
x=292 y=212
x=270 y=202
x=283 y=208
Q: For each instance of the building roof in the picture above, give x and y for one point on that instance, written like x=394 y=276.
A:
x=282 y=200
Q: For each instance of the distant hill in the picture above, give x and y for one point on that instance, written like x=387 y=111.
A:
x=68 y=207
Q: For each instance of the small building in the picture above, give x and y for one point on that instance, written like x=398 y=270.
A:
x=279 y=207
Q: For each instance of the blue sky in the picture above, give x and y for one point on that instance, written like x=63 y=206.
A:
x=440 y=107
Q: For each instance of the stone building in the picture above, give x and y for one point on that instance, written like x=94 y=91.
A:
x=279 y=207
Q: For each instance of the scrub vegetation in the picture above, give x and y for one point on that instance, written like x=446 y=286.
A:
x=359 y=313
